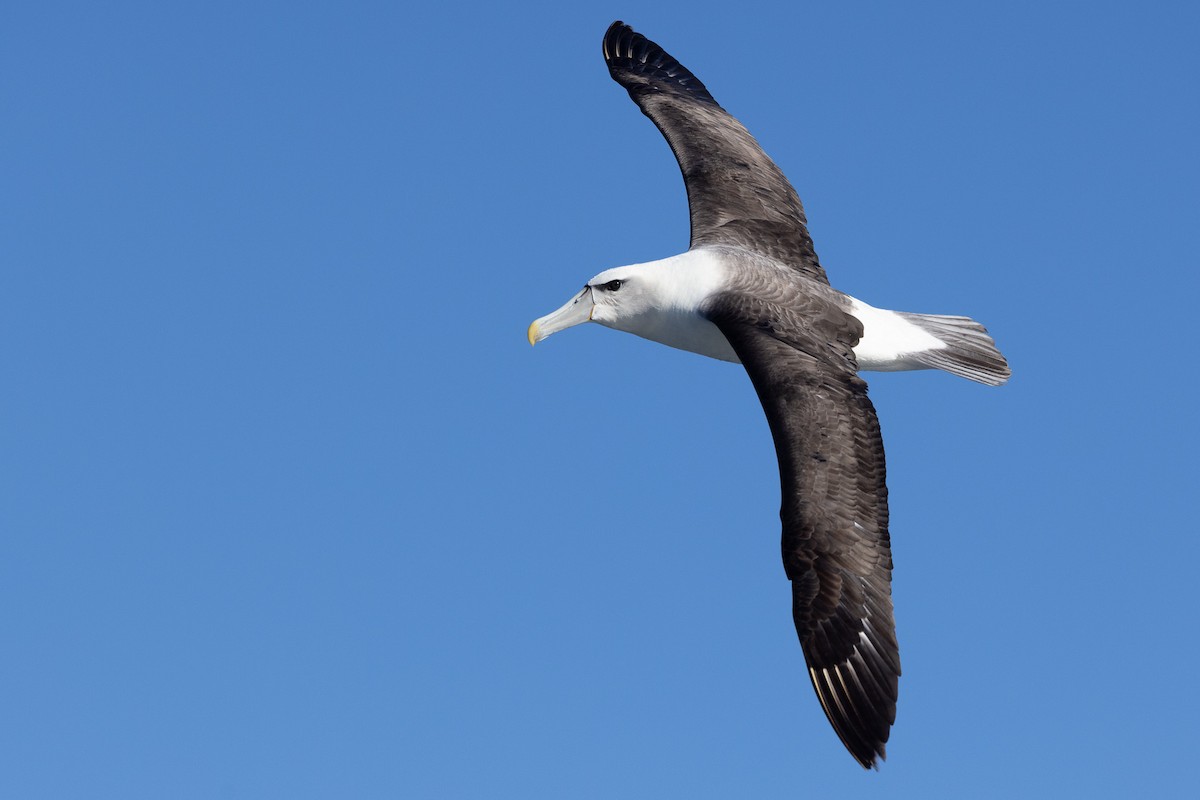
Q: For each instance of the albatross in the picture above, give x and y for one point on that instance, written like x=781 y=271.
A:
x=750 y=290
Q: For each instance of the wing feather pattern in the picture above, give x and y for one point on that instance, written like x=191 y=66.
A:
x=836 y=549
x=736 y=194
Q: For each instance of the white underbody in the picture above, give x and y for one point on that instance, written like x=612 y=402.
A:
x=680 y=284
x=889 y=340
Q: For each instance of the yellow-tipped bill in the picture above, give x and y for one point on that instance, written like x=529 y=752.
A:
x=576 y=311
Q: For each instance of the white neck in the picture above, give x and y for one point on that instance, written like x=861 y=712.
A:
x=671 y=292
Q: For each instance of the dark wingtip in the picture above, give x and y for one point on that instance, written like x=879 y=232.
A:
x=612 y=36
x=627 y=51
x=854 y=667
x=863 y=732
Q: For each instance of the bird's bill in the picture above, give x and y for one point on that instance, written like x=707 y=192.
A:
x=577 y=310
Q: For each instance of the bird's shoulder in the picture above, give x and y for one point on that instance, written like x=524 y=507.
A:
x=765 y=297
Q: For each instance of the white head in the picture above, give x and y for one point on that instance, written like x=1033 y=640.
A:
x=616 y=298
x=661 y=301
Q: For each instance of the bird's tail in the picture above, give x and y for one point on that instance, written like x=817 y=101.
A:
x=969 y=351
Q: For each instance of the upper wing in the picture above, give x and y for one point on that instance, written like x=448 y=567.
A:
x=836 y=549
x=736 y=193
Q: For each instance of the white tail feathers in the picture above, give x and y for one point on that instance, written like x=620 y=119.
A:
x=969 y=351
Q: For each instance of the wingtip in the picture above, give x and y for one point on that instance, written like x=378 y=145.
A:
x=628 y=52
x=611 y=44
x=867 y=749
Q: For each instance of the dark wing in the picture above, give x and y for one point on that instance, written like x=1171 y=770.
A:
x=736 y=193
x=836 y=549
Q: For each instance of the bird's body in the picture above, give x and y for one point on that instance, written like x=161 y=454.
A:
x=682 y=284
x=750 y=290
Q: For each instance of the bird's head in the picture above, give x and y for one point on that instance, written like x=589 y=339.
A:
x=616 y=298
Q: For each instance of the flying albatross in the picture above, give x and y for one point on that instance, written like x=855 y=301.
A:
x=750 y=290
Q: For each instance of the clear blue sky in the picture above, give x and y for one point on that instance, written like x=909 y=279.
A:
x=289 y=507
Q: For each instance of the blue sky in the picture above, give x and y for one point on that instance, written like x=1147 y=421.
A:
x=289 y=508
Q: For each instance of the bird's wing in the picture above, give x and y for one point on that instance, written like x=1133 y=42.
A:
x=736 y=193
x=836 y=549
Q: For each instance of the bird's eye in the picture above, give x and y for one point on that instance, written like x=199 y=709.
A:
x=612 y=286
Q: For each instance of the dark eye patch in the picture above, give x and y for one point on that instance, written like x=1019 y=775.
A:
x=613 y=285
